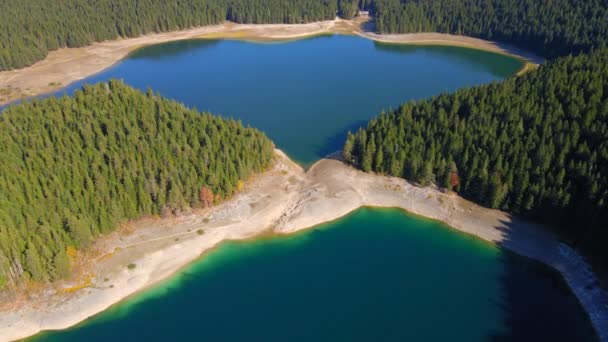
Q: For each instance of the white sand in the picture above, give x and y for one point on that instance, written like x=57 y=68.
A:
x=283 y=200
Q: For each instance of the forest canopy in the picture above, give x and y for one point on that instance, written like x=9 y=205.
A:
x=75 y=167
x=535 y=145
x=29 y=29
x=549 y=28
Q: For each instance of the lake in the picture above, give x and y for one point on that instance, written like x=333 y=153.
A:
x=305 y=95
x=376 y=275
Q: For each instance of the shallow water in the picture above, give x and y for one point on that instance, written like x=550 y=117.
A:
x=376 y=275
x=304 y=94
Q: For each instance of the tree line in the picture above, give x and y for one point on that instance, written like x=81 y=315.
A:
x=29 y=29
x=74 y=167
x=535 y=145
x=280 y=11
x=549 y=28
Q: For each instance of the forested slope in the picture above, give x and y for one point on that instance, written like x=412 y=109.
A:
x=535 y=145
x=280 y=11
x=29 y=29
x=550 y=28
x=74 y=167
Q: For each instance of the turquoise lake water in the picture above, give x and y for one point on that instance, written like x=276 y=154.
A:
x=376 y=275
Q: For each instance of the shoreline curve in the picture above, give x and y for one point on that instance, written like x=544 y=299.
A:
x=65 y=66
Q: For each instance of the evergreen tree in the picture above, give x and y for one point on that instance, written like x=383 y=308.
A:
x=550 y=28
x=29 y=29
x=75 y=167
x=533 y=145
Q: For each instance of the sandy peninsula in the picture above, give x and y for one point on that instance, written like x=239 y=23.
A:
x=64 y=66
x=283 y=200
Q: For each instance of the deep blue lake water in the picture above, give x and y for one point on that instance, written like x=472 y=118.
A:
x=304 y=94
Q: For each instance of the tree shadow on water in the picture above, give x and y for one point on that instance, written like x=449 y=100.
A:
x=336 y=141
x=535 y=301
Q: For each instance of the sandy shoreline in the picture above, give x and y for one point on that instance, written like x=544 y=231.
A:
x=65 y=66
x=283 y=200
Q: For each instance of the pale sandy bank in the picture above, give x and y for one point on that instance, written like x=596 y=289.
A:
x=283 y=200
x=65 y=66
